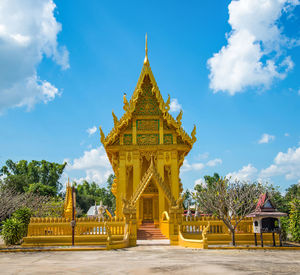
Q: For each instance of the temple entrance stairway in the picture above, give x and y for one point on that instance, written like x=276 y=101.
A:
x=148 y=231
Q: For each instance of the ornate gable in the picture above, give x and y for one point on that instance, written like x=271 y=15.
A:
x=147 y=102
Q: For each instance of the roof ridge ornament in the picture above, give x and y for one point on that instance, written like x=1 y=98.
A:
x=146 y=50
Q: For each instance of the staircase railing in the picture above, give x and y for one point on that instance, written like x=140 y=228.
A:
x=141 y=187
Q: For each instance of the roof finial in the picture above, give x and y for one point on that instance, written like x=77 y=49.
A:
x=146 y=50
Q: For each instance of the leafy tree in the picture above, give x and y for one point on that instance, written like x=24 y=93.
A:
x=210 y=181
x=38 y=176
x=293 y=192
x=110 y=199
x=41 y=206
x=229 y=201
x=41 y=189
x=294 y=224
x=87 y=193
x=280 y=201
x=188 y=199
x=23 y=214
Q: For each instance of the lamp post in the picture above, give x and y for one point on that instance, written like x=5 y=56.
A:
x=73 y=222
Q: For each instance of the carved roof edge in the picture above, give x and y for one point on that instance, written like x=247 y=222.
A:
x=130 y=107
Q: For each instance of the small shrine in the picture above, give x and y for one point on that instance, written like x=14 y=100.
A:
x=266 y=218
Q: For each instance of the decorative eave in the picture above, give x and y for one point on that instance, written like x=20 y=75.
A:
x=129 y=108
x=267 y=214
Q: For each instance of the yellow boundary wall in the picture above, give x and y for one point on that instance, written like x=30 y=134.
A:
x=195 y=232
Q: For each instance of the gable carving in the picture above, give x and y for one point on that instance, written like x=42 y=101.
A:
x=147 y=103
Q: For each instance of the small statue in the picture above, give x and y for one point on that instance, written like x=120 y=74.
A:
x=95 y=210
x=197 y=214
x=179 y=202
x=101 y=211
x=205 y=231
x=189 y=213
x=126 y=203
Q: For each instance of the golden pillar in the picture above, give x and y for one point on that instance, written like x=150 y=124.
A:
x=121 y=191
x=161 y=195
x=174 y=175
x=136 y=177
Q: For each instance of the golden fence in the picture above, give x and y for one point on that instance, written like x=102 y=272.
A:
x=84 y=226
x=197 y=224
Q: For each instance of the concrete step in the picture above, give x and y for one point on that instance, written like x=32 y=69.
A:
x=148 y=231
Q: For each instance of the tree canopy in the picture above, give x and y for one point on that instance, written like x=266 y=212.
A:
x=228 y=201
x=89 y=193
x=36 y=176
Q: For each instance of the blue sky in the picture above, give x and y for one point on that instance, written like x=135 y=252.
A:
x=232 y=66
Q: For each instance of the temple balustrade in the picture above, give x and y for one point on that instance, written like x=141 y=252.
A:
x=209 y=230
x=84 y=226
x=196 y=225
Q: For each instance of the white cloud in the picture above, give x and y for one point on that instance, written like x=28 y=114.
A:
x=94 y=164
x=202 y=156
x=266 y=138
x=92 y=130
x=197 y=166
x=174 y=105
x=254 y=55
x=186 y=166
x=28 y=32
x=247 y=173
x=287 y=164
x=214 y=162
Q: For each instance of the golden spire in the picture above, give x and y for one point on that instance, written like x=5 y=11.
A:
x=146 y=51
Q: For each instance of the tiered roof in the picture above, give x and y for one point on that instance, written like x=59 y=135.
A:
x=130 y=108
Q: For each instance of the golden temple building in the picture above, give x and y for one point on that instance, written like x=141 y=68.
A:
x=146 y=149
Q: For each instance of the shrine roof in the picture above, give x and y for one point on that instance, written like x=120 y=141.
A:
x=265 y=208
x=265 y=204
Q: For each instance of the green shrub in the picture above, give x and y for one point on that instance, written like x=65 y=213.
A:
x=294 y=226
x=284 y=221
x=23 y=215
x=12 y=231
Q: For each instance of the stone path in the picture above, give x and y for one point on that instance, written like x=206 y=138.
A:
x=152 y=259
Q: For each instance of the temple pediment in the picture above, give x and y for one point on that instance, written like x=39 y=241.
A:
x=146 y=112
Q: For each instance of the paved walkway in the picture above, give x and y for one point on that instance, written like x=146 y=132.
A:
x=152 y=259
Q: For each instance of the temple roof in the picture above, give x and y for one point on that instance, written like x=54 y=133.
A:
x=130 y=107
x=264 y=204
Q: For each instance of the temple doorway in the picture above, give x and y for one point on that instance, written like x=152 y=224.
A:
x=148 y=209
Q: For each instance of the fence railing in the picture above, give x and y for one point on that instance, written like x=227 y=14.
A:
x=84 y=226
x=197 y=224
